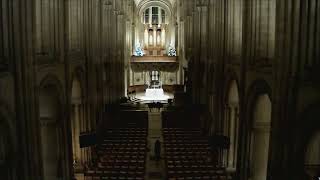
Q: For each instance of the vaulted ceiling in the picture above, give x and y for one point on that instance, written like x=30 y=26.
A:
x=167 y=5
x=139 y=1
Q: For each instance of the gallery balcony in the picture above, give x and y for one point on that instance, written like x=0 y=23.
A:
x=162 y=63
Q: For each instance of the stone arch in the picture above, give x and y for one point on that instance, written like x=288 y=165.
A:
x=53 y=80
x=79 y=122
x=8 y=146
x=52 y=128
x=260 y=137
x=255 y=132
x=161 y=3
x=312 y=156
x=79 y=74
x=307 y=143
x=231 y=122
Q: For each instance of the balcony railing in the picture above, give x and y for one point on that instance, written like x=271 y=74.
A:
x=154 y=59
x=153 y=63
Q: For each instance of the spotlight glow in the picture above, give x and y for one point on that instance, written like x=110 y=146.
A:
x=154 y=95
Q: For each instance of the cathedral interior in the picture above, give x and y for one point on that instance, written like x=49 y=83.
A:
x=159 y=89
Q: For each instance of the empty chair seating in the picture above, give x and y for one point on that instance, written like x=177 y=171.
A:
x=121 y=155
x=188 y=155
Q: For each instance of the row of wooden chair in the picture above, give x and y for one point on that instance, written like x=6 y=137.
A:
x=120 y=136
x=188 y=156
x=121 y=152
x=122 y=145
x=178 y=137
x=181 y=129
x=127 y=129
x=122 y=140
x=122 y=155
x=116 y=175
x=187 y=145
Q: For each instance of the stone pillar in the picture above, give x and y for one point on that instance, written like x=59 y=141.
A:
x=80 y=126
x=236 y=136
x=232 y=137
x=73 y=135
x=77 y=151
x=23 y=69
x=203 y=12
x=160 y=16
x=85 y=122
x=121 y=47
x=84 y=125
x=163 y=37
x=150 y=16
x=154 y=36
x=226 y=131
x=146 y=37
x=195 y=53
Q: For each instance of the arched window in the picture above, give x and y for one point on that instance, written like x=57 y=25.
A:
x=155 y=15
x=163 y=14
x=146 y=16
x=158 y=15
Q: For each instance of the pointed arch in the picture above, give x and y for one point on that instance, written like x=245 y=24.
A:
x=303 y=138
x=259 y=94
x=78 y=118
x=53 y=126
x=8 y=142
x=231 y=122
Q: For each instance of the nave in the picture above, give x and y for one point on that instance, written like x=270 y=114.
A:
x=229 y=87
x=128 y=152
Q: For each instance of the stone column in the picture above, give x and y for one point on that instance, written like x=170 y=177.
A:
x=150 y=16
x=77 y=151
x=232 y=138
x=23 y=69
x=85 y=123
x=90 y=129
x=120 y=58
x=163 y=37
x=109 y=54
x=146 y=37
x=226 y=131
x=194 y=57
x=160 y=16
x=73 y=135
x=203 y=13
x=154 y=37
x=236 y=135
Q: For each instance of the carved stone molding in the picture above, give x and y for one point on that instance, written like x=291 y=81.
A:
x=158 y=66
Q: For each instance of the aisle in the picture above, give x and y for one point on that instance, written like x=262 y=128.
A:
x=155 y=170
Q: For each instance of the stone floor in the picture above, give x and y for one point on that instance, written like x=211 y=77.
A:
x=155 y=170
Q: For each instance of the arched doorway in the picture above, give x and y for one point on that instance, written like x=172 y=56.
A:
x=50 y=114
x=312 y=157
x=307 y=142
x=78 y=125
x=260 y=137
x=231 y=125
x=7 y=171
